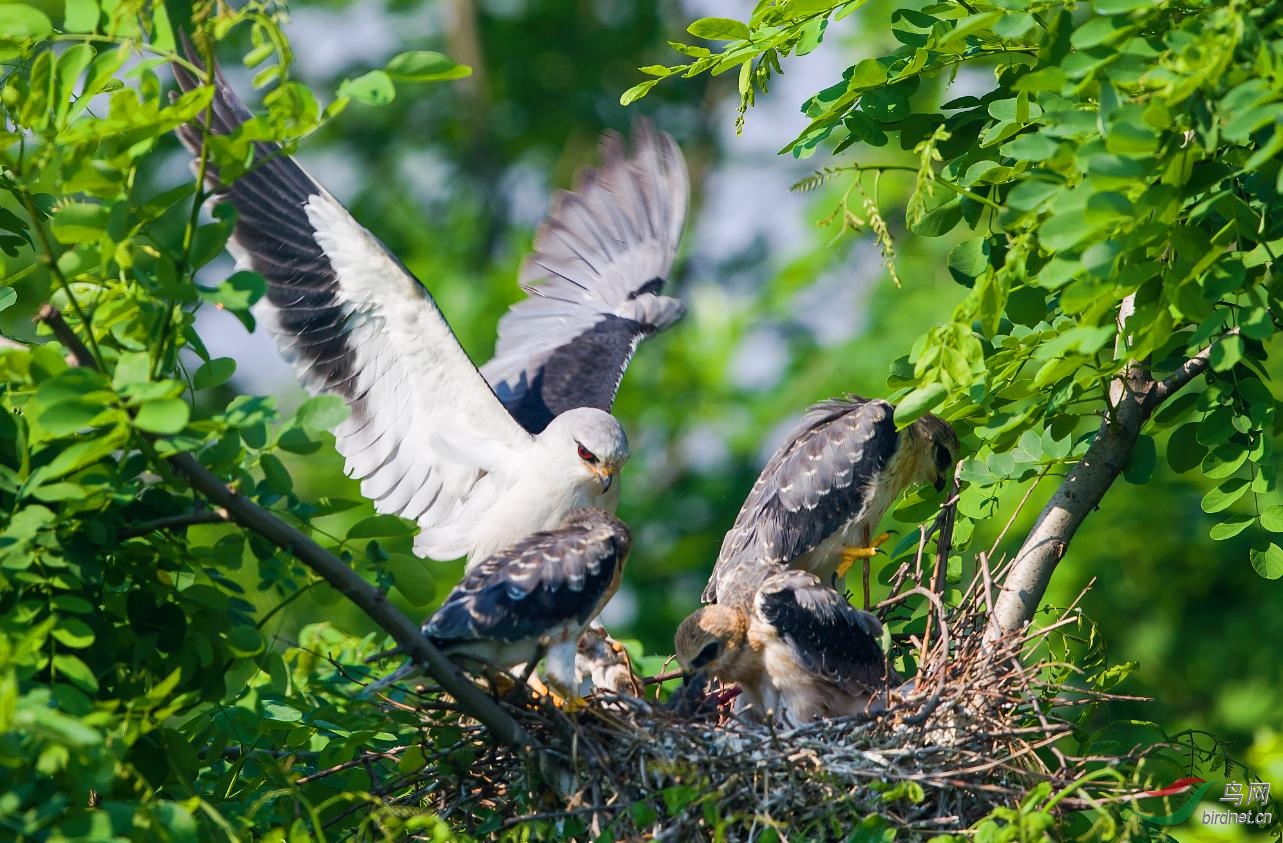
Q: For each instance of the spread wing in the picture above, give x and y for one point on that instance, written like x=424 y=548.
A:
x=424 y=425
x=827 y=636
x=546 y=580
x=818 y=481
x=594 y=282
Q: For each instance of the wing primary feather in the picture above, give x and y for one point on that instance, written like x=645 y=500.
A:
x=594 y=282
x=356 y=323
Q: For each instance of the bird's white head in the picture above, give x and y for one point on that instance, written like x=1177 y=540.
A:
x=590 y=443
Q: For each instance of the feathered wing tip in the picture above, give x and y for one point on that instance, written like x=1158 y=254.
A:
x=227 y=111
x=827 y=636
x=634 y=203
x=594 y=281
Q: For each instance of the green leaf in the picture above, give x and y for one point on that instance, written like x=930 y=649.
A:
x=1272 y=518
x=278 y=477
x=245 y=641
x=1118 y=7
x=373 y=88
x=885 y=105
x=57 y=492
x=1225 y=495
x=967 y=260
x=322 y=412
x=165 y=416
x=1268 y=562
x=719 y=29
x=867 y=73
x=1217 y=428
x=70 y=667
x=637 y=91
x=214 y=373
x=413 y=578
x=1030 y=147
x=1230 y=529
x=919 y=402
x=67 y=417
x=940 y=220
x=73 y=633
x=20 y=22
x=381 y=527
x=1226 y=354
x=1141 y=462
x=424 y=66
x=281 y=712
x=79 y=222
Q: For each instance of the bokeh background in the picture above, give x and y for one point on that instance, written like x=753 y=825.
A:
x=454 y=178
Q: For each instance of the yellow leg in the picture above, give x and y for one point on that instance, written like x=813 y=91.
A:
x=568 y=704
x=851 y=554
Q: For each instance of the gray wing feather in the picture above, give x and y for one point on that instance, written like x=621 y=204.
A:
x=827 y=636
x=594 y=282
x=545 y=580
x=815 y=484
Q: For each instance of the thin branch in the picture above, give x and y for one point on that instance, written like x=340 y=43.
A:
x=1188 y=370
x=80 y=353
x=347 y=582
x=174 y=522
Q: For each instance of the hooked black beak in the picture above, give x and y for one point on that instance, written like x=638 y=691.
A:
x=939 y=484
x=606 y=480
x=695 y=680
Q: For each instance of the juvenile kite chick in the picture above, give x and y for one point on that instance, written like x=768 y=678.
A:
x=531 y=600
x=818 y=501
x=799 y=652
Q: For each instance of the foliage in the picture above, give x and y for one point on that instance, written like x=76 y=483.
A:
x=1122 y=151
x=145 y=689
x=137 y=681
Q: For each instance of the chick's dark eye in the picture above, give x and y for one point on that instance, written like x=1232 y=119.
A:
x=707 y=655
x=587 y=455
x=943 y=458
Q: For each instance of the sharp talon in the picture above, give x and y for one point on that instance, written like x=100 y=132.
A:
x=882 y=539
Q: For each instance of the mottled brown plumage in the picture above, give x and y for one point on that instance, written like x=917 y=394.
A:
x=825 y=489
x=798 y=651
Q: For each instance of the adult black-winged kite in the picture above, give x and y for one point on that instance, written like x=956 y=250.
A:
x=478 y=461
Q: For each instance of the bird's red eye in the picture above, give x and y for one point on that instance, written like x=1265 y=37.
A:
x=587 y=455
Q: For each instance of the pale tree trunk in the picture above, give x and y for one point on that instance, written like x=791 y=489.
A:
x=1133 y=397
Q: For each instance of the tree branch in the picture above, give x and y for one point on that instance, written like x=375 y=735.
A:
x=374 y=603
x=1134 y=395
x=174 y=522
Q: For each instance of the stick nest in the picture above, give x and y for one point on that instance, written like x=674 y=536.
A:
x=980 y=728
